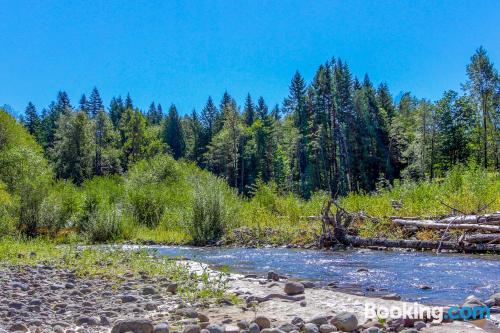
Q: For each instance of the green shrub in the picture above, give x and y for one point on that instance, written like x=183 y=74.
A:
x=210 y=211
x=104 y=225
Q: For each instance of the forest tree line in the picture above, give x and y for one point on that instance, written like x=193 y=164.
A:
x=336 y=134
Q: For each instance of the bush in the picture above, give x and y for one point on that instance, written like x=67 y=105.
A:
x=210 y=212
x=104 y=225
x=6 y=218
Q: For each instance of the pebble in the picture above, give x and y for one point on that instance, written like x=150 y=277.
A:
x=294 y=288
x=253 y=328
x=327 y=328
x=214 y=328
x=263 y=322
x=345 y=322
x=310 y=328
x=192 y=329
x=133 y=325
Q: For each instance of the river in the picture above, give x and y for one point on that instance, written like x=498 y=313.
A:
x=451 y=277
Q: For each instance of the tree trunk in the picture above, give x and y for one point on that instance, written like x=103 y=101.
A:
x=433 y=225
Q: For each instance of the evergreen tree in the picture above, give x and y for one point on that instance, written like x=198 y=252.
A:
x=133 y=136
x=173 y=135
x=209 y=116
x=261 y=110
x=107 y=155
x=32 y=121
x=84 y=104
x=95 y=103
x=249 y=111
x=128 y=102
x=116 y=109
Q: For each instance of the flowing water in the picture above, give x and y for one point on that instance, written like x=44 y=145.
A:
x=452 y=277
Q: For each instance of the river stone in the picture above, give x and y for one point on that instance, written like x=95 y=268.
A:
x=133 y=325
x=294 y=288
x=231 y=329
x=58 y=329
x=409 y=330
x=345 y=322
x=308 y=284
x=161 y=328
x=263 y=322
x=319 y=320
x=204 y=330
x=496 y=298
x=253 y=328
x=91 y=321
x=372 y=329
x=243 y=324
x=391 y=297
x=288 y=327
x=128 y=298
x=271 y=330
x=187 y=312
x=310 y=328
x=203 y=317
x=148 y=290
x=214 y=328
x=192 y=329
x=297 y=321
x=172 y=288
x=327 y=328
x=273 y=276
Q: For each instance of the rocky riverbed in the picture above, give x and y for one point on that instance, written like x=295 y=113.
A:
x=46 y=299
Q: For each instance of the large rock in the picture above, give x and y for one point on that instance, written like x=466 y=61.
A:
x=263 y=322
x=472 y=301
x=90 y=321
x=327 y=328
x=345 y=322
x=294 y=288
x=288 y=328
x=161 y=328
x=172 y=288
x=18 y=327
x=133 y=325
x=148 y=290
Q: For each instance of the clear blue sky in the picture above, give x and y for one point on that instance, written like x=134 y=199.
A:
x=181 y=52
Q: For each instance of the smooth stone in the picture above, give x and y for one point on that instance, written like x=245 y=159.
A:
x=327 y=328
x=161 y=328
x=133 y=325
x=310 y=328
x=308 y=284
x=172 y=288
x=294 y=288
x=263 y=322
x=231 y=329
x=203 y=317
x=319 y=320
x=391 y=297
x=419 y=325
x=192 y=329
x=345 y=322
x=128 y=298
x=362 y=269
x=271 y=330
x=496 y=298
x=297 y=321
x=58 y=329
x=18 y=327
x=149 y=291
x=187 y=312
x=472 y=301
x=253 y=328
x=214 y=328
x=243 y=324
x=409 y=330
x=372 y=329
x=288 y=328
x=91 y=321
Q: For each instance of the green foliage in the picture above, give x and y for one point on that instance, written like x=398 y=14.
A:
x=211 y=211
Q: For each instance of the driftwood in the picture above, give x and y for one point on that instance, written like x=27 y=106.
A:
x=482 y=238
x=335 y=232
x=489 y=219
x=451 y=224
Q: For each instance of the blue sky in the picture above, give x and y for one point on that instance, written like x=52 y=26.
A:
x=181 y=52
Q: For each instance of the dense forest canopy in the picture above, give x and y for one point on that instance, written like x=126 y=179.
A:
x=336 y=134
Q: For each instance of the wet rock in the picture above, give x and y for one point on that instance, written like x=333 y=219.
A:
x=263 y=322
x=327 y=328
x=299 y=322
x=16 y=305
x=104 y=321
x=310 y=328
x=496 y=298
x=391 y=297
x=424 y=287
x=294 y=288
x=362 y=269
x=192 y=329
x=409 y=330
x=308 y=284
x=133 y=325
x=345 y=322
x=472 y=301
x=161 y=328
x=273 y=276
x=372 y=329
x=214 y=328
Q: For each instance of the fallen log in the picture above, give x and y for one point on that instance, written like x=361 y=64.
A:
x=482 y=238
x=434 y=225
x=261 y=299
x=489 y=219
x=356 y=241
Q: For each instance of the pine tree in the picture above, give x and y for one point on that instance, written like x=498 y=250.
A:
x=116 y=109
x=107 y=156
x=73 y=147
x=173 y=135
x=84 y=104
x=133 y=136
x=95 y=103
x=128 y=102
x=249 y=111
x=209 y=116
x=32 y=121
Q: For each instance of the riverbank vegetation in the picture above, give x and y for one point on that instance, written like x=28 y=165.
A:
x=250 y=176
